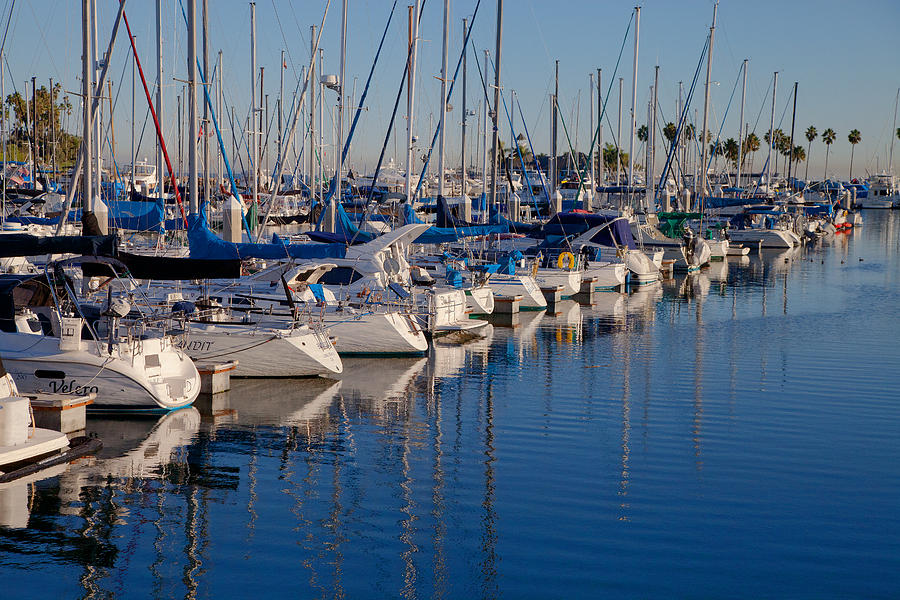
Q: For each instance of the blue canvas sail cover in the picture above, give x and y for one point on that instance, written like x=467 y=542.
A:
x=497 y=218
x=122 y=214
x=440 y=235
x=725 y=202
x=137 y=216
x=345 y=231
x=205 y=244
x=616 y=233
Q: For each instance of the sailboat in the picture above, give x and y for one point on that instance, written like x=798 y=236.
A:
x=54 y=341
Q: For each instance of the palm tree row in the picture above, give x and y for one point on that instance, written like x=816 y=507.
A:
x=751 y=144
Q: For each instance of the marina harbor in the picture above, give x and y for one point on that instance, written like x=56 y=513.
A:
x=476 y=299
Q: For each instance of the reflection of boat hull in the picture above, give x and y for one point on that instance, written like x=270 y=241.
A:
x=381 y=378
x=765 y=238
x=282 y=402
x=264 y=352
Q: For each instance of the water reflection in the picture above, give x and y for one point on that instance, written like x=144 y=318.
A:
x=564 y=452
x=283 y=402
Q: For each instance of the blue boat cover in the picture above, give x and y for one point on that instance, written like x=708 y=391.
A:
x=205 y=244
x=123 y=214
x=618 y=233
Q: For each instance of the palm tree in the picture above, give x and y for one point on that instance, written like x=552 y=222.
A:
x=730 y=149
x=670 y=131
x=776 y=141
x=642 y=133
x=798 y=155
x=828 y=136
x=609 y=158
x=854 y=137
x=811 y=134
x=751 y=144
x=525 y=151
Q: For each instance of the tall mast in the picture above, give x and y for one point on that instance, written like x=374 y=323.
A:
x=160 y=177
x=484 y=153
x=259 y=124
x=133 y=106
x=790 y=156
x=462 y=158
x=443 y=103
x=413 y=30
x=591 y=127
x=339 y=147
x=650 y=186
x=554 y=120
x=87 y=89
x=3 y=135
x=771 y=135
x=893 y=134
x=495 y=144
x=600 y=164
x=34 y=138
x=677 y=142
x=320 y=164
x=206 y=120
x=637 y=40
x=619 y=136
x=52 y=131
x=280 y=110
x=311 y=148
x=98 y=138
x=254 y=147
x=741 y=125
x=704 y=142
x=219 y=80
x=192 y=106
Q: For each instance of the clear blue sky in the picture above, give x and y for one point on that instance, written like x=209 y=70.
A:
x=843 y=55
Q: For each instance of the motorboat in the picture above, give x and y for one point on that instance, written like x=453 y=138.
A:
x=764 y=227
x=883 y=192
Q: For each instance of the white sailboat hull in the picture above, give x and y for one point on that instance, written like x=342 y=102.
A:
x=643 y=269
x=480 y=300
x=263 y=351
x=608 y=276
x=506 y=286
x=766 y=238
x=167 y=381
x=569 y=280
x=879 y=202
x=391 y=333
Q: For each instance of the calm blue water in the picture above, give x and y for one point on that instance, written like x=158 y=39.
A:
x=734 y=433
